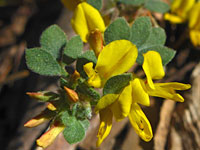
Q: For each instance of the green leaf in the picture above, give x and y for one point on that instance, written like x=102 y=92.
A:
x=156 y=41
x=66 y=118
x=40 y=61
x=52 y=40
x=75 y=129
x=72 y=50
x=117 y=30
x=146 y=38
x=156 y=37
x=86 y=57
x=75 y=132
x=85 y=123
x=140 y=31
x=157 y=6
x=132 y=2
x=87 y=91
x=95 y=3
x=166 y=53
x=116 y=83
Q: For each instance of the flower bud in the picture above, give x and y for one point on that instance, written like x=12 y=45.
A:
x=43 y=96
x=48 y=137
x=44 y=116
x=76 y=75
x=51 y=106
x=96 y=41
x=72 y=95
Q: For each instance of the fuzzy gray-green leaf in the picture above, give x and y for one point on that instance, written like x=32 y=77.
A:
x=132 y=2
x=73 y=49
x=116 y=83
x=85 y=123
x=147 y=38
x=117 y=30
x=53 y=39
x=157 y=6
x=74 y=133
x=66 y=118
x=157 y=37
x=166 y=53
x=95 y=3
x=140 y=31
x=42 y=62
x=88 y=91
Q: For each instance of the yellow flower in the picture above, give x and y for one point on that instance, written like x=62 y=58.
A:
x=140 y=123
x=44 y=116
x=179 y=11
x=168 y=90
x=153 y=69
x=124 y=105
x=87 y=19
x=194 y=24
x=105 y=125
x=48 y=137
x=116 y=58
x=87 y=22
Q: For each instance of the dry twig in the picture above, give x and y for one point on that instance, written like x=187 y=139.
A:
x=163 y=126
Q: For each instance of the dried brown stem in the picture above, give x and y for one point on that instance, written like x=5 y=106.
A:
x=163 y=126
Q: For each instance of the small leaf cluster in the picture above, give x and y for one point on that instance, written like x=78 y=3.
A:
x=143 y=35
x=152 y=5
x=54 y=58
x=95 y=3
x=57 y=53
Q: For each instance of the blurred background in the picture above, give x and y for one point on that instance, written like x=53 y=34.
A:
x=176 y=126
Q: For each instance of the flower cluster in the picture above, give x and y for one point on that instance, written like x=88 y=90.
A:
x=126 y=103
x=116 y=58
x=70 y=108
x=186 y=10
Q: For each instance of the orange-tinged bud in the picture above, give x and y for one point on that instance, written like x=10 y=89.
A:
x=35 y=122
x=44 y=116
x=51 y=106
x=75 y=75
x=96 y=41
x=43 y=96
x=35 y=95
x=72 y=95
x=48 y=137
